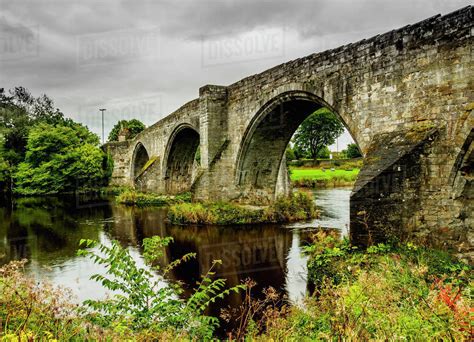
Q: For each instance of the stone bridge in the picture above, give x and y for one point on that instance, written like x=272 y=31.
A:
x=406 y=97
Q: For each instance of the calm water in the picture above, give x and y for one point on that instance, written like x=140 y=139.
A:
x=47 y=231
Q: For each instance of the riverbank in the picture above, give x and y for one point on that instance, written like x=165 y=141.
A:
x=306 y=177
x=387 y=292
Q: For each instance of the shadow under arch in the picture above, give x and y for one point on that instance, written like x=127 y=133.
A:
x=139 y=160
x=179 y=159
x=266 y=138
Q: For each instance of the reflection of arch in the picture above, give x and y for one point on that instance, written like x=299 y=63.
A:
x=266 y=138
x=179 y=158
x=140 y=158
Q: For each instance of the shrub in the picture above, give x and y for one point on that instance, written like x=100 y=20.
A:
x=386 y=292
x=38 y=311
x=61 y=159
x=143 y=302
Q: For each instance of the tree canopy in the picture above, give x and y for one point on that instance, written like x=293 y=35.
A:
x=318 y=131
x=129 y=128
x=19 y=111
x=43 y=151
x=61 y=159
x=352 y=151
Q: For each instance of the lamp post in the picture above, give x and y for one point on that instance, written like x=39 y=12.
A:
x=103 y=136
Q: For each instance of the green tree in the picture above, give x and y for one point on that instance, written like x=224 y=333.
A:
x=19 y=111
x=324 y=153
x=352 y=151
x=299 y=153
x=319 y=130
x=4 y=165
x=61 y=159
x=129 y=128
x=290 y=154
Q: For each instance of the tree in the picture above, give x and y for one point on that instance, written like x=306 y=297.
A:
x=324 y=153
x=352 y=151
x=19 y=111
x=4 y=165
x=319 y=130
x=61 y=158
x=130 y=129
x=290 y=154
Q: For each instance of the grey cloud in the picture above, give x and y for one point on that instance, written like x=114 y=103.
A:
x=170 y=63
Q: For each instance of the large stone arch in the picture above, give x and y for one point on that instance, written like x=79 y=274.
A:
x=139 y=159
x=261 y=150
x=179 y=158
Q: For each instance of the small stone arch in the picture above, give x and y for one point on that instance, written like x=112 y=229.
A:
x=179 y=159
x=139 y=160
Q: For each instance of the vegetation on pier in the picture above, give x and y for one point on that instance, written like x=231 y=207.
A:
x=132 y=197
x=298 y=206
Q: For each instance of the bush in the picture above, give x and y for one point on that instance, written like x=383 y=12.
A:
x=387 y=292
x=143 y=302
x=141 y=308
x=130 y=129
x=61 y=159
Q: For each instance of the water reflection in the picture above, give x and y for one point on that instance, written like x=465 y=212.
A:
x=334 y=206
x=47 y=232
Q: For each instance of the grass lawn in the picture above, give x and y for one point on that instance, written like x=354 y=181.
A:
x=318 y=174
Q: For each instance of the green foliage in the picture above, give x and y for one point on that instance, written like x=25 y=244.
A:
x=318 y=178
x=319 y=130
x=37 y=158
x=387 y=292
x=298 y=206
x=61 y=159
x=290 y=153
x=5 y=168
x=19 y=111
x=129 y=128
x=352 y=151
x=143 y=301
x=132 y=197
x=323 y=153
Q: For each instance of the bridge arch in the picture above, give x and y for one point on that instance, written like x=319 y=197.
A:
x=139 y=159
x=266 y=138
x=179 y=159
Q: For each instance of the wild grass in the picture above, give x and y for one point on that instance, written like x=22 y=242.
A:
x=132 y=197
x=38 y=311
x=299 y=206
x=387 y=292
x=141 y=307
x=318 y=178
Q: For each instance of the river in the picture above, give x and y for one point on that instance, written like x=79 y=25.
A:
x=46 y=231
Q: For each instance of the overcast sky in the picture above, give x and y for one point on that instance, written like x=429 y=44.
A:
x=145 y=59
